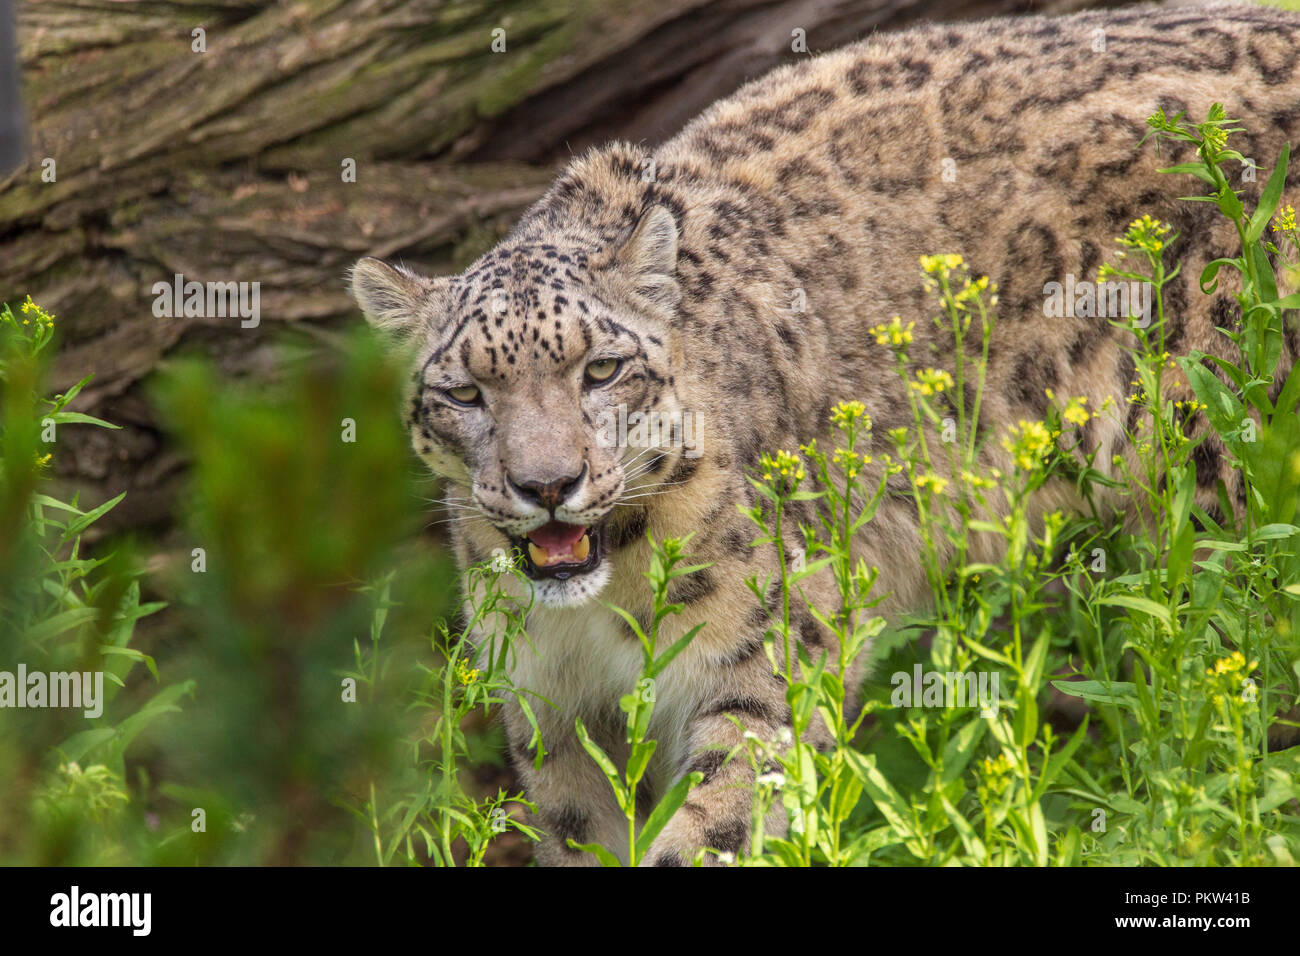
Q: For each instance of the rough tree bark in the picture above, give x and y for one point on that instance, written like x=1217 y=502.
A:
x=226 y=164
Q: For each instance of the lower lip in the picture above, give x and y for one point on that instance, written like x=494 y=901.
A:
x=580 y=552
x=562 y=572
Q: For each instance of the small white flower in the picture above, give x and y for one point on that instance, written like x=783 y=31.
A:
x=726 y=859
x=774 y=777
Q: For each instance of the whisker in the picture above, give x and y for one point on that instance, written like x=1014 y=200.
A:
x=627 y=463
x=659 y=484
x=635 y=473
x=644 y=494
x=454 y=519
x=641 y=466
x=638 y=472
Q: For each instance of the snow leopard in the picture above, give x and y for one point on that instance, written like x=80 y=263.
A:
x=729 y=279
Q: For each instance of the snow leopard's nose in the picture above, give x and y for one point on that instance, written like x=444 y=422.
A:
x=548 y=494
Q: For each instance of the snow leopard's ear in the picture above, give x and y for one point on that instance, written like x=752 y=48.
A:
x=648 y=257
x=395 y=301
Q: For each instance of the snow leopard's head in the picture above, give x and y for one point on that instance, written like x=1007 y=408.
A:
x=543 y=390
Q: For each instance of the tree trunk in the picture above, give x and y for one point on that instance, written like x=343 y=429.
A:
x=210 y=139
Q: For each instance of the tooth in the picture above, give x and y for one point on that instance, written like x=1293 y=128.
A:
x=582 y=548
x=537 y=554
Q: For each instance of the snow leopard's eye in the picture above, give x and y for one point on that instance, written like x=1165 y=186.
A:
x=602 y=370
x=464 y=395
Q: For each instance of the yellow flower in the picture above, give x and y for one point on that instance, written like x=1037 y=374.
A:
x=999 y=767
x=1075 y=413
x=975 y=481
x=1028 y=442
x=1285 y=221
x=1231 y=665
x=941 y=265
x=846 y=413
x=894 y=334
x=35 y=311
x=972 y=290
x=1229 y=680
x=1215 y=138
x=850 y=461
x=1146 y=234
x=995 y=778
x=786 y=468
x=933 y=482
x=465 y=674
x=931 y=381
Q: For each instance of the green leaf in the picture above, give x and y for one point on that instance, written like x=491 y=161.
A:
x=61 y=623
x=1222 y=407
x=973 y=844
x=1035 y=660
x=960 y=748
x=81 y=523
x=1270 y=197
x=1118 y=693
x=663 y=812
x=1056 y=763
x=1211 y=271
x=65 y=397
x=1039 y=828
x=891 y=805
x=1229 y=204
x=164 y=702
x=1141 y=605
x=599 y=852
x=49 y=502
x=133 y=654
x=845 y=792
x=637 y=761
x=1025 y=722
x=631 y=622
x=1146 y=702
x=1267 y=290
x=606 y=765
x=663 y=660
x=77 y=418
x=78 y=745
x=1191 y=169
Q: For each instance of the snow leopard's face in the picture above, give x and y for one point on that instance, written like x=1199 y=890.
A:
x=527 y=365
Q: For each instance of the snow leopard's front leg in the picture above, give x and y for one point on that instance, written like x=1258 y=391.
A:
x=717 y=813
x=573 y=798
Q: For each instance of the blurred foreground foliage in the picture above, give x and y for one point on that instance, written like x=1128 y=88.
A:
x=256 y=723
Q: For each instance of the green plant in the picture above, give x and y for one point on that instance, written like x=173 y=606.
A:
x=638 y=705
x=435 y=809
x=1182 y=645
x=63 y=612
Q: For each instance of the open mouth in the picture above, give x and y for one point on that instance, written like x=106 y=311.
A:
x=559 y=550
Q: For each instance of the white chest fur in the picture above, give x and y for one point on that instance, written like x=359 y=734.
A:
x=583 y=660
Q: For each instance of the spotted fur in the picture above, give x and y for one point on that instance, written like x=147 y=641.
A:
x=824 y=179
